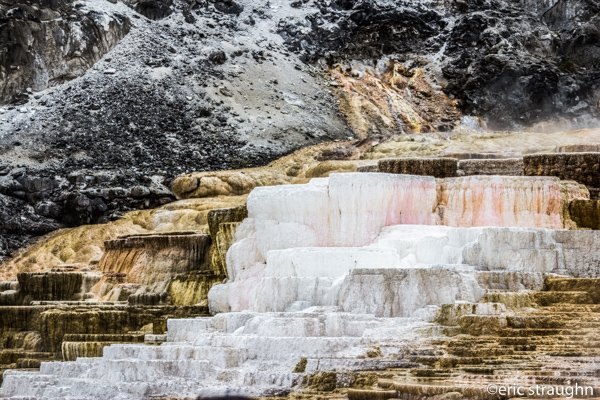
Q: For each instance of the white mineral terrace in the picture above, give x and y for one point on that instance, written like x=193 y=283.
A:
x=332 y=269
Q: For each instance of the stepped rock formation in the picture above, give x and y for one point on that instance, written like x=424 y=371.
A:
x=285 y=229
x=134 y=142
x=76 y=310
x=148 y=263
x=139 y=282
x=586 y=213
x=581 y=167
x=369 y=272
x=546 y=339
x=85 y=245
x=437 y=167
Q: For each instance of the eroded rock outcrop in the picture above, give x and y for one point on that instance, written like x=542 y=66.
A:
x=393 y=99
x=175 y=268
x=77 y=310
x=511 y=62
x=152 y=9
x=586 y=213
x=34 y=202
x=436 y=167
x=50 y=42
x=502 y=166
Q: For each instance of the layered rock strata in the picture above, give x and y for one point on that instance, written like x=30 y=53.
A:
x=65 y=330
x=436 y=167
x=583 y=168
x=222 y=224
x=503 y=166
x=146 y=264
x=542 y=342
x=586 y=213
x=139 y=282
x=580 y=167
x=350 y=273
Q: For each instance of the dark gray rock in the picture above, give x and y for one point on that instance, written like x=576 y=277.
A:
x=228 y=7
x=152 y=9
x=218 y=57
x=19 y=224
x=515 y=63
x=34 y=202
x=47 y=42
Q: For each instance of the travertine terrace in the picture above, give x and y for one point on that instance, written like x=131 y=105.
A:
x=414 y=278
x=301 y=199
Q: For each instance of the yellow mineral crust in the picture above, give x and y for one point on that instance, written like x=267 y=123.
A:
x=85 y=244
x=298 y=167
x=507 y=144
x=398 y=101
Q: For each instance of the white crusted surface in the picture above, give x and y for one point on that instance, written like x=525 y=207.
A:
x=327 y=271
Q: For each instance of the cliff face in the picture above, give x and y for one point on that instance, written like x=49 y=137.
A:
x=49 y=42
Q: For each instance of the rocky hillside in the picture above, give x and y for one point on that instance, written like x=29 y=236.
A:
x=514 y=63
x=105 y=102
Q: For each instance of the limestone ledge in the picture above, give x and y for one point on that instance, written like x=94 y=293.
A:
x=238 y=182
x=504 y=166
x=446 y=167
x=298 y=167
x=437 y=167
x=53 y=321
x=148 y=263
x=581 y=167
